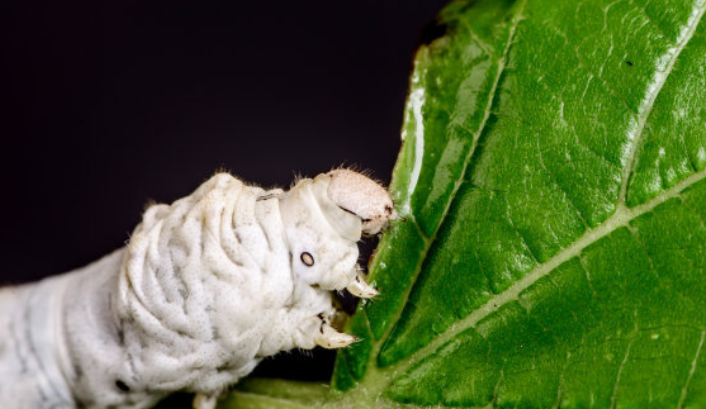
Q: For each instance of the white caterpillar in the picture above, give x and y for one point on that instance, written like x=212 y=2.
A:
x=205 y=289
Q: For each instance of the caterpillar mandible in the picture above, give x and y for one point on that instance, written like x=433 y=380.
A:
x=205 y=288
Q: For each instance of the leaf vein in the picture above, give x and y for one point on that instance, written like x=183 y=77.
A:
x=658 y=81
x=614 y=396
x=619 y=219
x=685 y=390
x=491 y=97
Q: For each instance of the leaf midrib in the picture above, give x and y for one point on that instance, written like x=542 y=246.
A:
x=621 y=218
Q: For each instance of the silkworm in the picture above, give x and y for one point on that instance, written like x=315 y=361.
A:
x=205 y=288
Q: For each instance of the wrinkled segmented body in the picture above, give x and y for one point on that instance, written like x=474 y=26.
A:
x=205 y=288
x=29 y=352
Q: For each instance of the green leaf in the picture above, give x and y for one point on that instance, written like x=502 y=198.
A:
x=270 y=394
x=553 y=181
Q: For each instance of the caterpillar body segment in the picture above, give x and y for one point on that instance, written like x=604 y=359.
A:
x=206 y=288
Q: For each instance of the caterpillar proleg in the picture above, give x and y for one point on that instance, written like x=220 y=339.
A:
x=206 y=288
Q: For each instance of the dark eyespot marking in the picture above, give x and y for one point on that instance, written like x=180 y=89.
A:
x=388 y=209
x=307 y=259
x=122 y=386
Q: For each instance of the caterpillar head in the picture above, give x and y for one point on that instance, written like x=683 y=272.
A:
x=324 y=219
x=359 y=195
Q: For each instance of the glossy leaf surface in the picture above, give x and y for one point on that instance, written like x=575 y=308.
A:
x=552 y=177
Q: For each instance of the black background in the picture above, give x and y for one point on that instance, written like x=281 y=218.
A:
x=105 y=106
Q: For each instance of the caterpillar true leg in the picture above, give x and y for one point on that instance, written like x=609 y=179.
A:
x=360 y=288
x=330 y=338
x=206 y=288
x=207 y=401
